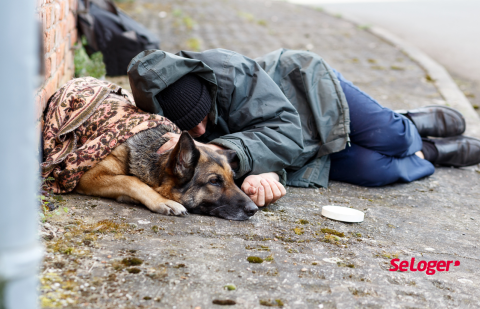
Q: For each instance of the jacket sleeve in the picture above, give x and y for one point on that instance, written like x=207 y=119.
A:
x=265 y=127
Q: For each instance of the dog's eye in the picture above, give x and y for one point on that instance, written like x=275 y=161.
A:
x=214 y=181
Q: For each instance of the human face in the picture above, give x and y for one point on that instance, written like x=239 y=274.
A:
x=199 y=129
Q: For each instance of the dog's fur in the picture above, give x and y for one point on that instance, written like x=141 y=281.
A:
x=187 y=178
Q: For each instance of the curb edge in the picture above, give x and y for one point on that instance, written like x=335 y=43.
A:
x=442 y=80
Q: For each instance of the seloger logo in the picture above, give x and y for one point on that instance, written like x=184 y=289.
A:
x=430 y=266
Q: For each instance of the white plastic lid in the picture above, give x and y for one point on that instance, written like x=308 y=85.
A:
x=341 y=213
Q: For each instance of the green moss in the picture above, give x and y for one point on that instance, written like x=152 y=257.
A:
x=117 y=265
x=134 y=270
x=342 y=264
x=230 y=287
x=88 y=66
x=333 y=232
x=389 y=256
x=302 y=221
x=269 y=258
x=193 y=44
x=397 y=68
x=177 y=12
x=188 y=22
x=298 y=230
x=132 y=261
x=271 y=303
x=254 y=259
x=224 y=302
x=247 y=16
x=179 y=266
x=262 y=22
x=331 y=239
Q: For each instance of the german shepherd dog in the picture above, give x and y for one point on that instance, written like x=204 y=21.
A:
x=187 y=178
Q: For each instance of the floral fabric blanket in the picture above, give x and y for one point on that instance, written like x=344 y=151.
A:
x=85 y=120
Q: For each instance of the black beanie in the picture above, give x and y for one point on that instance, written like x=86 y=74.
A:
x=186 y=102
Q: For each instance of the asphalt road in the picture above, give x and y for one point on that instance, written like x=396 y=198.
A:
x=447 y=30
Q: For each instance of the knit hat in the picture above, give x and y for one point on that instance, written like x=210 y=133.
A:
x=186 y=102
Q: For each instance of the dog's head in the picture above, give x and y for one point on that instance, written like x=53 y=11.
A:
x=202 y=181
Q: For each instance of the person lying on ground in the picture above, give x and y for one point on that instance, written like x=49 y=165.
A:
x=293 y=120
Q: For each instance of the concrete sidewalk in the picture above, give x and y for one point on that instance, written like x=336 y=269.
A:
x=103 y=254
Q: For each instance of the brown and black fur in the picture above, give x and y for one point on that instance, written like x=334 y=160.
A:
x=186 y=178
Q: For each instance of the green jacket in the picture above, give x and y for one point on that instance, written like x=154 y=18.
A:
x=285 y=110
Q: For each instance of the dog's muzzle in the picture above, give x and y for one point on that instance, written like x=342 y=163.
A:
x=250 y=209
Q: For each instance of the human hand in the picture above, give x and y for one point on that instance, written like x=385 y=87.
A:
x=172 y=142
x=263 y=189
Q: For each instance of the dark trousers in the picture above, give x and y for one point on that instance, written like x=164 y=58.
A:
x=383 y=144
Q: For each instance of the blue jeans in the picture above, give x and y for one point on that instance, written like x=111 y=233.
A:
x=383 y=144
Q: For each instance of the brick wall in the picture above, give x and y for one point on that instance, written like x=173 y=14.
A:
x=59 y=37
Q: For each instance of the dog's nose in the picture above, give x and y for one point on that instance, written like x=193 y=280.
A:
x=250 y=209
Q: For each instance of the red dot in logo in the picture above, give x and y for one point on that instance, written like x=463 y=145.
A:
x=457 y=263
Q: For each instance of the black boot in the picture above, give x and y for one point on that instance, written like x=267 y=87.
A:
x=436 y=121
x=455 y=151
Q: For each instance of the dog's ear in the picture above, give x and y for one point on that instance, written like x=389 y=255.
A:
x=184 y=159
x=231 y=156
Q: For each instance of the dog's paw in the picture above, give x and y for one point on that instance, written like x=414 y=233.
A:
x=170 y=208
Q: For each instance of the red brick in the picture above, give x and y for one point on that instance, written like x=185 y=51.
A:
x=48 y=41
x=69 y=59
x=73 y=37
x=68 y=74
x=57 y=9
x=73 y=5
x=67 y=8
x=62 y=70
x=58 y=35
x=48 y=16
x=40 y=103
x=38 y=131
x=59 y=77
x=52 y=38
x=44 y=19
x=71 y=21
x=45 y=99
x=62 y=11
x=58 y=80
x=45 y=42
x=60 y=53
x=63 y=25
x=53 y=58
x=48 y=68
x=51 y=87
